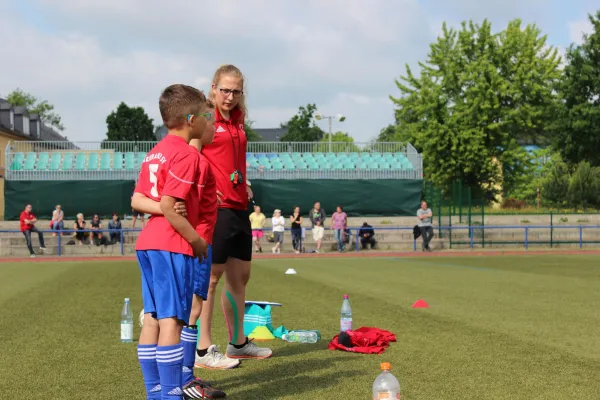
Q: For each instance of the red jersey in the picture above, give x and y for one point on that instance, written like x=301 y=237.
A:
x=25 y=215
x=226 y=154
x=207 y=189
x=171 y=168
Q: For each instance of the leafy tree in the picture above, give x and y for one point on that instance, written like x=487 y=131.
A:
x=578 y=122
x=251 y=134
x=476 y=96
x=341 y=143
x=388 y=134
x=44 y=109
x=129 y=124
x=301 y=127
x=584 y=186
x=555 y=186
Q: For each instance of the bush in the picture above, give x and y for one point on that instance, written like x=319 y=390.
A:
x=514 y=204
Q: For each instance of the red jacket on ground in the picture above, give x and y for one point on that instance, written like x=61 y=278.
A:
x=365 y=340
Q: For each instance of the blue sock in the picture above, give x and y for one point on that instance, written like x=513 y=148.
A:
x=147 y=359
x=189 y=337
x=170 y=364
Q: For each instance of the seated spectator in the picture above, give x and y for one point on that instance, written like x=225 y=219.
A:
x=57 y=223
x=79 y=228
x=278 y=228
x=96 y=227
x=367 y=236
x=28 y=221
x=114 y=229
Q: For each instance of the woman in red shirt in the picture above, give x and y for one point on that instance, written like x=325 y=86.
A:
x=232 y=238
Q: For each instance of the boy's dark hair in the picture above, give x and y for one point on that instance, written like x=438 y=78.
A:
x=178 y=101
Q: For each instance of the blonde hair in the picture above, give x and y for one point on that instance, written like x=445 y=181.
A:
x=79 y=216
x=231 y=70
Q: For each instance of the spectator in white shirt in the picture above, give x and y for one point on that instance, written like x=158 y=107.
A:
x=278 y=228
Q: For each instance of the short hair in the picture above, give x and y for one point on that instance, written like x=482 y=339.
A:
x=178 y=101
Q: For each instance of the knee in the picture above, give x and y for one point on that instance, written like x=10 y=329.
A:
x=214 y=282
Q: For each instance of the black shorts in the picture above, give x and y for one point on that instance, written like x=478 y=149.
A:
x=136 y=214
x=232 y=236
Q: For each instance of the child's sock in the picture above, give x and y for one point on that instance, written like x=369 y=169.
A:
x=147 y=359
x=189 y=337
x=170 y=364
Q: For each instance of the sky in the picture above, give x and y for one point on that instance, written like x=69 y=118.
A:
x=86 y=56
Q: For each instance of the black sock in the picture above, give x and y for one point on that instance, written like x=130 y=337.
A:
x=202 y=352
x=240 y=346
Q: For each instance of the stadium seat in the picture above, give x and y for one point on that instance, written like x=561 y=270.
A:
x=67 y=162
x=17 y=162
x=80 y=162
x=129 y=161
x=105 y=162
x=139 y=159
x=118 y=161
x=42 y=162
x=29 y=162
x=93 y=162
x=55 y=162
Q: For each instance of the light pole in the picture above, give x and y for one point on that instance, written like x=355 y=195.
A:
x=339 y=118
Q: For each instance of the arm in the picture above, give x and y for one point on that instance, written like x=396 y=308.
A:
x=182 y=225
x=300 y=219
x=144 y=204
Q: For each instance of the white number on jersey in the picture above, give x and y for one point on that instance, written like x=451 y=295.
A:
x=153 y=169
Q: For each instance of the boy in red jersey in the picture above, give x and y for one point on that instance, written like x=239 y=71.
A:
x=167 y=247
x=195 y=388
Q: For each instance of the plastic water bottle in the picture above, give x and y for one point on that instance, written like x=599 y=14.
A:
x=126 y=323
x=302 y=336
x=386 y=386
x=346 y=315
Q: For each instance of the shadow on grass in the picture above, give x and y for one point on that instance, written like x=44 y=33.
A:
x=294 y=349
x=294 y=377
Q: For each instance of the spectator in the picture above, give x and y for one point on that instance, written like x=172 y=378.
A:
x=28 y=221
x=257 y=223
x=367 y=236
x=296 y=220
x=425 y=216
x=96 y=226
x=278 y=229
x=317 y=218
x=79 y=228
x=114 y=229
x=57 y=223
x=339 y=223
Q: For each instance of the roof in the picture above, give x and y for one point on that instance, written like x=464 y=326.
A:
x=46 y=133
x=271 y=134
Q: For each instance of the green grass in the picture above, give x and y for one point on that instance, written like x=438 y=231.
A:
x=497 y=328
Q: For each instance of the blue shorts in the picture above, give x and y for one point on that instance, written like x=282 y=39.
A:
x=202 y=275
x=167 y=283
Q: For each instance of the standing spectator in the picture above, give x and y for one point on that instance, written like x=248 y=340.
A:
x=114 y=229
x=257 y=222
x=296 y=220
x=58 y=217
x=79 y=228
x=317 y=218
x=425 y=216
x=339 y=223
x=278 y=229
x=367 y=236
x=28 y=221
x=96 y=224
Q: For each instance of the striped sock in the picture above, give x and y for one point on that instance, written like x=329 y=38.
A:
x=170 y=363
x=189 y=337
x=147 y=359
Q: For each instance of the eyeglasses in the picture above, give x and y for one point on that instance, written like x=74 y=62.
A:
x=227 y=92
x=207 y=115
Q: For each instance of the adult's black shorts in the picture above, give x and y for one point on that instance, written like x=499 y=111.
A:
x=232 y=236
x=136 y=213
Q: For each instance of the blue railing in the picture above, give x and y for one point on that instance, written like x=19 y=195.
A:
x=475 y=235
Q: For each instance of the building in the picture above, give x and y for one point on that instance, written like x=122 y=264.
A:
x=271 y=134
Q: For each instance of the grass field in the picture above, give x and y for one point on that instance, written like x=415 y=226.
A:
x=519 y=327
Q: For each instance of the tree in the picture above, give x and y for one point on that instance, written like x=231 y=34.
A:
x=341 y=143
x=578 y=123
x=129 y=124
x=45 y=110
x=301 y=127
x=251 y=134
x=477 y=95
x=584 y=186
x=388 y=134
x=555 y=188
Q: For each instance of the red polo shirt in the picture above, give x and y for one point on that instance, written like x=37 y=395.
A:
x=26 y=215
x=226 y=154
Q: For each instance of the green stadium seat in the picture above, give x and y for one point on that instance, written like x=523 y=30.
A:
x=129 y=161
x=55 y=160
x=93 y=162
x=29 y=161
x=314 y=167
x=361 y=166
x=384 y=165
x=67 y=162
x=277 y=167
x=80 y=162
x=42 y=162
x=118 y=161
x=105 y=162
x=139 y=159
x=17 y=162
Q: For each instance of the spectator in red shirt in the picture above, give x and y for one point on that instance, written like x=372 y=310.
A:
x=28 y=221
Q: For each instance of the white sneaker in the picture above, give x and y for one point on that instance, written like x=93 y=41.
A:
x=278 y=251
x=32 y=256
x=274 y=250
x=215 y=360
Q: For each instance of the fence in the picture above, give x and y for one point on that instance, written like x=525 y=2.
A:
x=38 y=160
x=578 y=235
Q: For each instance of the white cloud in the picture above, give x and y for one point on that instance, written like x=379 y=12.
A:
x=578 y=28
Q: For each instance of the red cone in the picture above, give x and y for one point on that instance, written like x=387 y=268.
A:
x=420 y=304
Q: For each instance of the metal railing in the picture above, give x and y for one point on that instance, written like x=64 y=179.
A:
x=38 y=160
x=472 y=236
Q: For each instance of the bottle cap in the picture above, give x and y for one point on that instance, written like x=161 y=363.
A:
x=345 y=296
x=284 y=336
x=386 y=366
x=127 y=299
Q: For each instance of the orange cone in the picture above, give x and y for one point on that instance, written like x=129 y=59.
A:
x=420 y=304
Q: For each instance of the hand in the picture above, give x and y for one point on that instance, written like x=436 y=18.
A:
x=179 y=208
x=219 y=198
x=250 y=193
x=200 y=248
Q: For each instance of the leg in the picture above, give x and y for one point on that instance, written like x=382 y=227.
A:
x=142 y=220
x=133 y=219
x=429 y=233
x=28 y=241
x=40 y=237
x=364 y=242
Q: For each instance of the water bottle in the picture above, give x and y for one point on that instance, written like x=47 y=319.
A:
x=346 y=315
x=386 y=386
x=302 y=336
x=126 y=323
